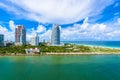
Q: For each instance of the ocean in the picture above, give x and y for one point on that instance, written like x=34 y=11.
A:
x=109 y=44
x=84 y=67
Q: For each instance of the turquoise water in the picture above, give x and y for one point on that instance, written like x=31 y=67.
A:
x=110 y=44
x=84 y=67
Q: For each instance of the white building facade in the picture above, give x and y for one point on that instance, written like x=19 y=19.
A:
x=35 y=40
x=55 y=36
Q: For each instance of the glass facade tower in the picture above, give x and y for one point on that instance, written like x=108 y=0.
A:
x=55 y=37
x=1 y=40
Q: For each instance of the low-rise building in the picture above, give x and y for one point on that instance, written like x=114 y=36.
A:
x=32 y=51
x=8 y=43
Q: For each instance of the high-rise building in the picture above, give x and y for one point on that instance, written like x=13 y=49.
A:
x=55 y=37
x=1 y=40
x=20 y=35
x=35 y=40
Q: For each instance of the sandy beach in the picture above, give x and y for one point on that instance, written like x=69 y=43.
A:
x=80 y=53
x=67 y=53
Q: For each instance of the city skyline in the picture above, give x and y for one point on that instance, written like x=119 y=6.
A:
x=79 y=20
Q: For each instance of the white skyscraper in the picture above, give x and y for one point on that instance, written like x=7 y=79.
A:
x=35 y=40
x=55 y=37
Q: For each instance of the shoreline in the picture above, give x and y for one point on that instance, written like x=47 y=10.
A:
x=74 y=50
x=92 y=45
x=82 y=53
x=71 y=53
x=98 y=46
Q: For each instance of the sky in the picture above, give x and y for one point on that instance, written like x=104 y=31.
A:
x=79 y=20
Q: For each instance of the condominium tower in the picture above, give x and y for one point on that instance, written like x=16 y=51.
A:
x=55 y=36
x=20 y=35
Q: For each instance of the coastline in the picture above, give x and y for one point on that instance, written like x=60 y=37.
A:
x=82 y=53
x=71 y=53
x=62 y=50
x=95 y=46
x=100 y=44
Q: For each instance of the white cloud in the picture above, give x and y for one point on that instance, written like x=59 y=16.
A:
x=8 y=34
x=56 y=11
x=41 y=30
x=46 y=35
x=118 y=20
x=85 y=31
x=12 y=25
x=88 y=31
x=11 y=8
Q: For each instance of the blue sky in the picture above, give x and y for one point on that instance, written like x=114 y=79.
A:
x=79 y=19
